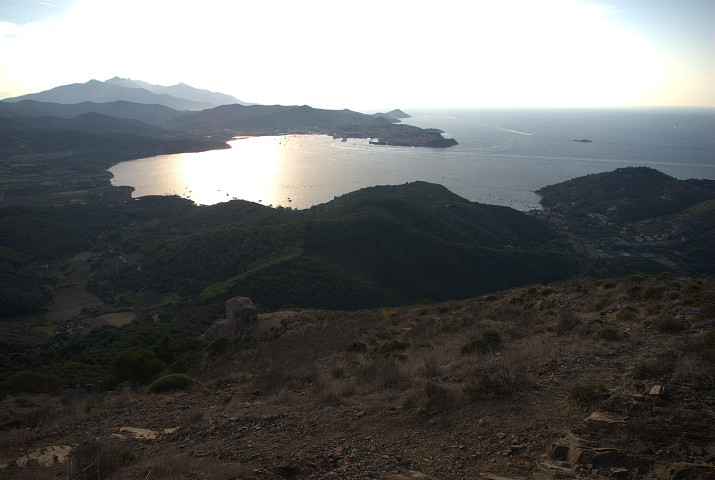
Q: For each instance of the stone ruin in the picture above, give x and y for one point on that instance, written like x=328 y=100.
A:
x=240 y=311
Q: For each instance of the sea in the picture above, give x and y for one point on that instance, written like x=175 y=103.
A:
x=503 y=157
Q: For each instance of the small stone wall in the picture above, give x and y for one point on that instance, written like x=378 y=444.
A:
x=240 y=311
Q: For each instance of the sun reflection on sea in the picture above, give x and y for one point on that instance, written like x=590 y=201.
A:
x=249 y=172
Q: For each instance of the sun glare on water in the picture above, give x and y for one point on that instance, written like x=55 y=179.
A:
x=249 y=169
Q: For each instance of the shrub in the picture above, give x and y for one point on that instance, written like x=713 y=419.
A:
x=14 y=423
x=219 y=346
x=437 y=395
x=174 y=381
x=498 y=381
x=589 y=393
x=99 y=459
x=608 y=334
x=392 y=347
x=486 y=342
x=666 y=323
x=385 y=372
x=183 y=362
x=568 y=320
x=627 y=314
x=637 y=277
x=326 y=392
x=651 y=293
x=32 y=382
x=709 y=339
x=634 y=291
x=652 y=369
x=135 y=366
x=357 y=347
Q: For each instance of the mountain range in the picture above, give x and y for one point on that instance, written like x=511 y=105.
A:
x=123 y=106
x=178 y=97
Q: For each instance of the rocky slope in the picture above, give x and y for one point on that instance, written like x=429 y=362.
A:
x=585 y=379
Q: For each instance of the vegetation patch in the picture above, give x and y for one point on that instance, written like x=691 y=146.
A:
x=653 y=369
x=495 y=382
x=667 y=323
x=356 y=347
x=589 y=393
x=608 y=334
x=100 y=458
x=392 y=347
x=171 y=382
x=568 y=320
x=486 y=342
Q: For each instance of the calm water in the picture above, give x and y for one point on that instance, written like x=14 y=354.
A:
x=502 y=158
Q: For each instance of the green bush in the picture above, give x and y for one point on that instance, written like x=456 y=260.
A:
x=357 y=347
x=135 y=366
x=14 y=423
x=653 y=369
x=709 y=339
x=589 y=393
x=183 y=362
x=32 y=382
x=608 y=334
x=666 y=323
x=651 y=293
x=627 y=314
x=174 y=381
x=486 y=342
x=219 y=346
x=392 y=347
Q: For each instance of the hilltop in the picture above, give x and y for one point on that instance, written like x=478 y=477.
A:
x=582 y=379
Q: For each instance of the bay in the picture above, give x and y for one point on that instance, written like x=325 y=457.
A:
x=503 y=156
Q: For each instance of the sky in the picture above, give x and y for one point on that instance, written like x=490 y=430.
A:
x=373 y=54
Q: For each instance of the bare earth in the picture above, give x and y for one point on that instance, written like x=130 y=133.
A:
x=590 y=380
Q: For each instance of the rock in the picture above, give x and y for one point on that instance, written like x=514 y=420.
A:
x=657 y=391
x=46 y=456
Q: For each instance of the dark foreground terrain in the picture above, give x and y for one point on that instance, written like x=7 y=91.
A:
x=582 y=379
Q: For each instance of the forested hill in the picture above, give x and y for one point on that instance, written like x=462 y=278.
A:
x=639 y=212
x=626 y=194
x=379 y=246
x=387 y=245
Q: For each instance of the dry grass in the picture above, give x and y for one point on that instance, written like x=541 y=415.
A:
x=697 y=368
x=409 y=358
x=100 y=458
x=187 y=468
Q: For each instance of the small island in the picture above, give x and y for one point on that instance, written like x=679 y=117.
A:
x=583 y=140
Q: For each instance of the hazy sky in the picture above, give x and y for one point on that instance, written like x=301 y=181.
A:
x=373 y=54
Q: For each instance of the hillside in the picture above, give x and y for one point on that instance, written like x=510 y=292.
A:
x=583 y=379
x=379 y=246
x=279 y=119
x=153 y=114
x=626 y=194
x=639 y=214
